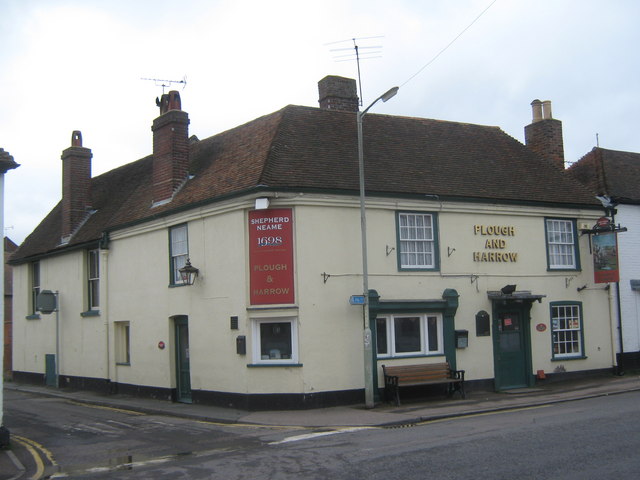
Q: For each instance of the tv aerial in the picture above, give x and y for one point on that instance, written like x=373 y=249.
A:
x=167 y=83
x=359 y=53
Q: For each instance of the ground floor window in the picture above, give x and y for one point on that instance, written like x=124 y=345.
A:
x=566 y=330
x=406 y=335
x=122 y=338
x=275 y=341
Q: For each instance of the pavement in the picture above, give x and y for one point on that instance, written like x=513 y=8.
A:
x=411 y=411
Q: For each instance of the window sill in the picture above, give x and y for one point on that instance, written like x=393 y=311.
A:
x=417 y=355
x=419 y=269
x=35 y=316
x=261 y=365
x=123 y=364
x=178 y=285
x=90 y=313
x=562 y=359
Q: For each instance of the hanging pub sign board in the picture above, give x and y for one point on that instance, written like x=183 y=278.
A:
x=271 y=256
x=605 y=258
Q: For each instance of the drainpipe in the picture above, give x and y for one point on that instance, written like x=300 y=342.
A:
x=620 y=369
x=104 y=307
x=612 y=328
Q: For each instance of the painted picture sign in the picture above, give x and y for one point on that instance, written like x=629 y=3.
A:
x=271 y=256
x=605 y=257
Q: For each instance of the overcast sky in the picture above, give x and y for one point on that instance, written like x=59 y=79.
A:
x=77 y=65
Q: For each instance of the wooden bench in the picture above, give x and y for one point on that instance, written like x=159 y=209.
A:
x=428 y=374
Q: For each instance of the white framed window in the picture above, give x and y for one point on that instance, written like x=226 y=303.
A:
x=179 y=252
x=409 y=335
x=561 y=244
x=275 y=341
x=93 y=279
x=417 y=241
x=566 y=330
x=122 y=338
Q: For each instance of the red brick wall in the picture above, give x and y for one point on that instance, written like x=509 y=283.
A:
x=170 y=153
x=545 y=138
x=76 y=187
x=338 y=93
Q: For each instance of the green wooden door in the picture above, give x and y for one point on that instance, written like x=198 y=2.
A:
x=183 y=372
x=511 y=349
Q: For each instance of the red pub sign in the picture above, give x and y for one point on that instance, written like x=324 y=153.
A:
x=271 y=256
x=605 y=258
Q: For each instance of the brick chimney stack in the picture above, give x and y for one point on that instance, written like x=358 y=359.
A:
x=338 y=93
x=76 y=185
x=170 y=148
x=544 y=134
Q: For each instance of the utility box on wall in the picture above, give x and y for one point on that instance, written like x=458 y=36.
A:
x=462 y=338
x=241 y=345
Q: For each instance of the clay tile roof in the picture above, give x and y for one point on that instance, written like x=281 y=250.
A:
x=610 y=172
x=311 y=149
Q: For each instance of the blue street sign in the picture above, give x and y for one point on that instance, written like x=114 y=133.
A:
x=356 y=300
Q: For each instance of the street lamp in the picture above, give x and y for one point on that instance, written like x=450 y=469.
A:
x=368 y=348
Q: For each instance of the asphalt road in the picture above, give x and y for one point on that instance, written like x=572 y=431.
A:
x=586 y=439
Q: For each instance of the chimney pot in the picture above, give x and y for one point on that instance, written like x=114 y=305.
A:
x=76 y=138
x=536 y=108
x=546 y=110
x=169 y=101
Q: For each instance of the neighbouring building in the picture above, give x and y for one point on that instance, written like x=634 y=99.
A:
x=6 y=163
x=9 y=248
x=616 y=175
x=474 y=257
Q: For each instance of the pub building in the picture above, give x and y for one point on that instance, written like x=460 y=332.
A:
x=219 y=270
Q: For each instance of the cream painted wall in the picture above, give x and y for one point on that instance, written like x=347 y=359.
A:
x=82 y=349
x=339 y=257
x=327 y=247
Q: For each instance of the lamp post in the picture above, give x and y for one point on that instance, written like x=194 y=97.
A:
x=368 y=348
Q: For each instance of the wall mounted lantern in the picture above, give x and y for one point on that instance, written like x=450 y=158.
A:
x=188 y=273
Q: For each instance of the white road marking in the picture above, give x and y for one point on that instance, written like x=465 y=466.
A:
x=308 y=436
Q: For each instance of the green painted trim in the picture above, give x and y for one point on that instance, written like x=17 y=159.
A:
x=181 y=321
x=171 y=271
x=561 y=303
x=524 y=310
x=35 y=316
x=398 y=357
x=436 y=243
x=90 y=313
x=268 y=365
x=447 y=307
x=576 y=245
